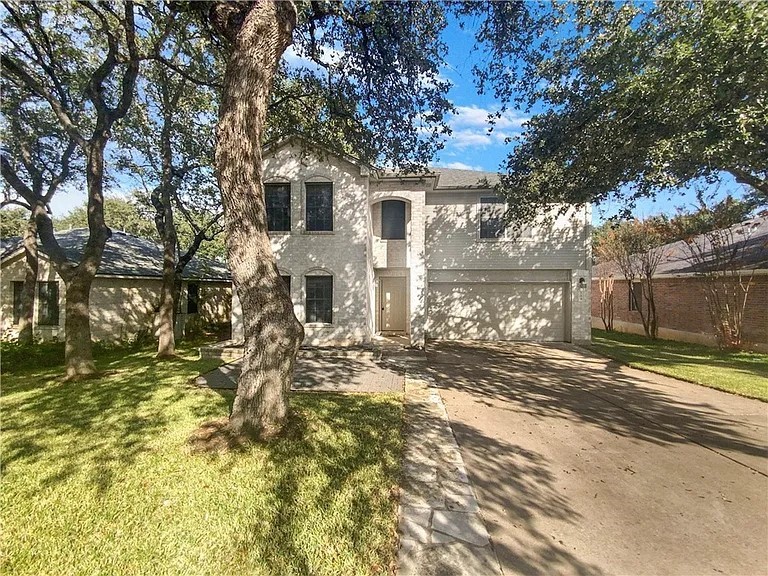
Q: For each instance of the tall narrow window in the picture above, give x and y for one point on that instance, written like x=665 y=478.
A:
x=635 y=295
x=48 y=303
x=319 y=299
x=491 y=217
x=278 y=200
x=193 y=298
x=393 y=220
x=287 y=280
x=319 y=206
x=18 y=290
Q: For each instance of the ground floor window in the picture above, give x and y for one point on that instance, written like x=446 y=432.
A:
x=48 y=303
x=18 y=290
x=193 y=298
x=319 y=303
x=287 y=280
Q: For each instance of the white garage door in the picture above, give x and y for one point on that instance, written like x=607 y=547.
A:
x=498 y=311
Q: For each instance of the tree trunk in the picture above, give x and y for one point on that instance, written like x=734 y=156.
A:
x=272 y=332
x=26 y=320
x=166 y=342
x=78 y=349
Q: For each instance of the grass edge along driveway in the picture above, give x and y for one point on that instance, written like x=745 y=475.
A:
x=99 y=477
x=737 y=372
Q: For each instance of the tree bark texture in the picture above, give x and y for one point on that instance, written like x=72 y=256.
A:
x=26 y=320
x=273 y=334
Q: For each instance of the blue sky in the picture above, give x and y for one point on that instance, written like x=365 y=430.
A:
x=470 y=146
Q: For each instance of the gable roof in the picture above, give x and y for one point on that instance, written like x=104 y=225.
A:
x=129 y=255
x=749 y=239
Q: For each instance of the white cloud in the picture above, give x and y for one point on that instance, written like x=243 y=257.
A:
x=457 y=166
x=470 y=127
x=329 y=56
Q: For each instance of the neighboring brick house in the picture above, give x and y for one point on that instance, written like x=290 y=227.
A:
x=680 y=294
x=125 y=294
x=367 y=253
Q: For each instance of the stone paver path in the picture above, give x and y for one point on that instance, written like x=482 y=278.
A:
x=441 y=530
x=323 y=374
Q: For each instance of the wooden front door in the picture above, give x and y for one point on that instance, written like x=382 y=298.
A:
x=393 y=305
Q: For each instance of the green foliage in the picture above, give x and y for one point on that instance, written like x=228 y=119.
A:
x=641 y=97
x=13 y=222
x=120 y=213
x=743 y=373
x=103 y=479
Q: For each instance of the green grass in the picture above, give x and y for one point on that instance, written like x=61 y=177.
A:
x=99 y=477
x=743 y=373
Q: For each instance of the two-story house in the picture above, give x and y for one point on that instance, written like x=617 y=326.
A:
x=367 y=253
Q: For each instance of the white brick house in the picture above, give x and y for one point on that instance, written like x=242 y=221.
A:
x=367 y=253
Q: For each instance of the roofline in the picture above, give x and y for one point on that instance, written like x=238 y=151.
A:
x=43 y=256
x=277 y=144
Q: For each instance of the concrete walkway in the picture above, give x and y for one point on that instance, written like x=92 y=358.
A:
x=581 y=466
x=441 y=530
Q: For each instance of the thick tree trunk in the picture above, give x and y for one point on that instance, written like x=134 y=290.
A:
x=272 y=332
x=166 y=342
x=26 y=320
x=78 y=349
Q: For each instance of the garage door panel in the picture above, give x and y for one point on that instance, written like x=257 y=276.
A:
x=485 y=311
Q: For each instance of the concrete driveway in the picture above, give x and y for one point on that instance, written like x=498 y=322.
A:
x=582 y=466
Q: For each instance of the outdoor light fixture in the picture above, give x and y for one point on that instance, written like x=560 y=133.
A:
x=582 y=283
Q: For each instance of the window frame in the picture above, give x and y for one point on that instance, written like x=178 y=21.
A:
x=282 y=187
x=327 y=312
x=287 y=281
x=308 y=186
x=393 y=202
x=48 y=312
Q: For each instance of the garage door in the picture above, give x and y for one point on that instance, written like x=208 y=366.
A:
x=498 y=311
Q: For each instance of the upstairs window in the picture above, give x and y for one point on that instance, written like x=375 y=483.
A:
x=18 y=290
x=393 y=220
x=48 y=303
x=287 y=281
x=491 y=217
x=278 y=200
x=319 y=303
x=319 y=207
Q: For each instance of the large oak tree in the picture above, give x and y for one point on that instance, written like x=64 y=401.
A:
x=638 y=98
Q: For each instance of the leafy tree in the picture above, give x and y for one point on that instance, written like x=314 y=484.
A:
x=636 y=247
x=718 y=241
x=13 y=222
x=640 y=97
x=81 y=59
x=168 y=145
x=120 y=213
x=36 y=159
x=383 y=80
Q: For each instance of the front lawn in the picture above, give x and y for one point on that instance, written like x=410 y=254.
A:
x=744 y=373
x=99 y=477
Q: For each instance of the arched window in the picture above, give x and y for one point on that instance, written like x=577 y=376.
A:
x=393 y=220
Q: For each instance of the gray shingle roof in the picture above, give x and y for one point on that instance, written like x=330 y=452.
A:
x=453 y=179
x=752 y=235
x=128 y=255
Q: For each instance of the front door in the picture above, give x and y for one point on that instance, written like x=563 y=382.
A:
x=392 y=304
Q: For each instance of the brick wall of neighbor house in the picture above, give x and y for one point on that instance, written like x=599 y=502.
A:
x=683 y=312
x=341 y=253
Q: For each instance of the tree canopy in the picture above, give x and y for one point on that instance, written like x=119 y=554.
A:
x=638 y=98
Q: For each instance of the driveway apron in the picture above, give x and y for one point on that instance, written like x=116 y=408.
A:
x=582 y=466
